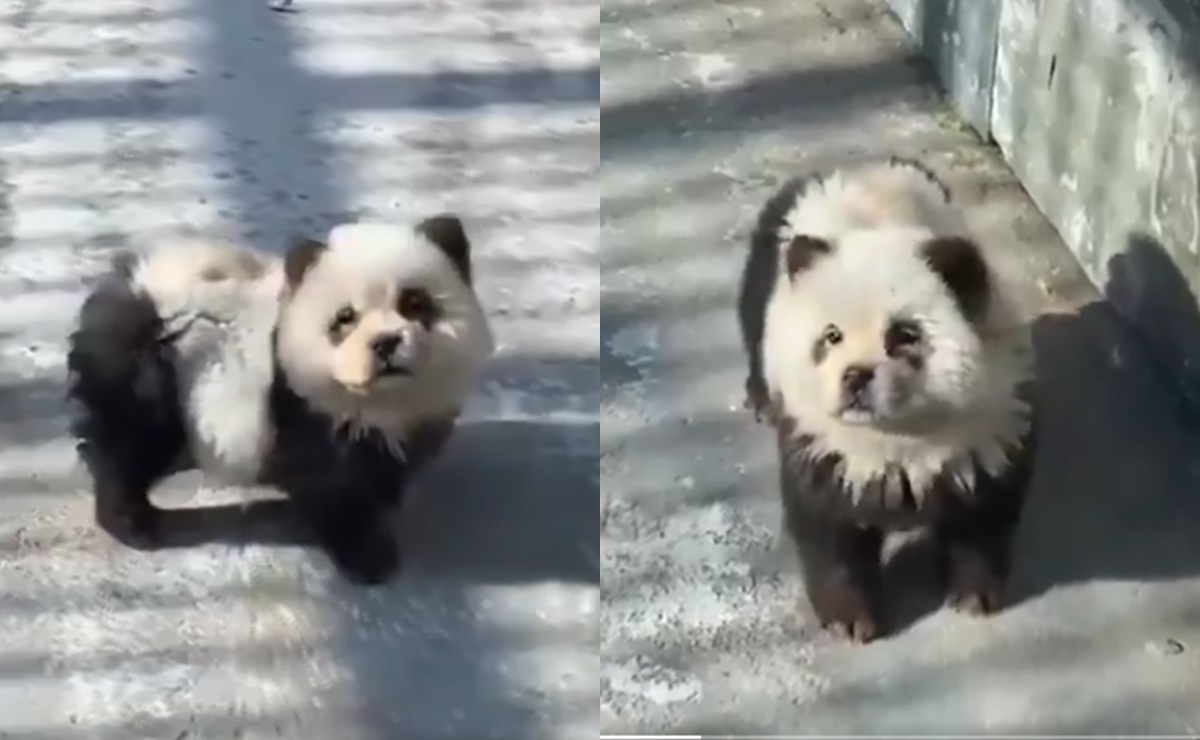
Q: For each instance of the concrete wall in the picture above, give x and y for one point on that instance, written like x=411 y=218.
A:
x=959 y=37
x=1096 y=106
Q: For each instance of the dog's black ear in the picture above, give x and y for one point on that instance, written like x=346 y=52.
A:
x=803 y=251
x=959 y=263
x=301 y=255
x=446 y=231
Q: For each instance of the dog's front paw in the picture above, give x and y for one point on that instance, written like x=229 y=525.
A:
x=845 y=610
x=973 y=585
x=369 y=561
x=135 y=526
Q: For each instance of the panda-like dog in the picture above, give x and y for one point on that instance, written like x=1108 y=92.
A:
x=897 y=375
x=333 y=373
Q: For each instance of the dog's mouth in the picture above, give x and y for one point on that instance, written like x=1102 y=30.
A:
x=395 y=370
x=857 y=407
x=382 y=374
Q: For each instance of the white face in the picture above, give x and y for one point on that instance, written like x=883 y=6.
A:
x=877 y=335
x=382 y=317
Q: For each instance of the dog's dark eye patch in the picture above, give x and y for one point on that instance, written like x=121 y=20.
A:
x=830 y=336
x=415 y=304
x=903 y=337
x=342 y=321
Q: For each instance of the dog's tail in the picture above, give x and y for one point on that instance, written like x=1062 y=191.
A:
x=118 y=369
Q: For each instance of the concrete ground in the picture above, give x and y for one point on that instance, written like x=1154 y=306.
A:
x=130 y=123
x=706 y=107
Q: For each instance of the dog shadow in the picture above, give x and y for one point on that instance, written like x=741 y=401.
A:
x=1114 y=492
x=507 y=500
x=1114 y=496
x=267 y=521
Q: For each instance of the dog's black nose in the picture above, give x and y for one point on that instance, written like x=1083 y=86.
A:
x=856 y=378
x=385 y=345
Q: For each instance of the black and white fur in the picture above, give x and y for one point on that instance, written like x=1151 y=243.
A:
x=896 y=374
x=332 y=373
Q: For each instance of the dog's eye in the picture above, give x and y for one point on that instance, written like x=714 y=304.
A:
x=906 y=333
x=345 y=316
x=902 y=334
x=416 y=305
x=831 y=335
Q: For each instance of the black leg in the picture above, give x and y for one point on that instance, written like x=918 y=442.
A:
x=127 y=422
x=975 y=553
x=344 y=486
x=840 y=557
x=127 y=445
x=353 y=529
x=122 y=485
x=841 y=565
x=974 y=569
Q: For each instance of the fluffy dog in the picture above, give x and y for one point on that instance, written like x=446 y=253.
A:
x=897 y=376
x=332 y=373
